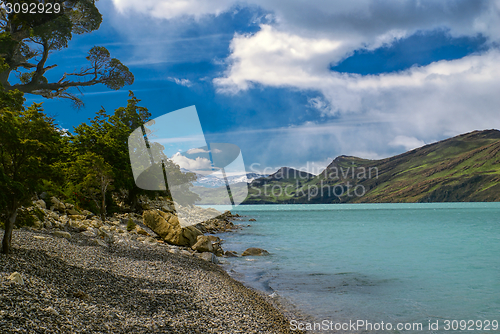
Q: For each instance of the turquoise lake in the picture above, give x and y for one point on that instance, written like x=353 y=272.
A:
x=376 y=262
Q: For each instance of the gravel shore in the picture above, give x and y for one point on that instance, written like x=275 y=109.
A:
x=76 y=286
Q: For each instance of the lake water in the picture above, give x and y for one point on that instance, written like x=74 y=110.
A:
x=396 y=263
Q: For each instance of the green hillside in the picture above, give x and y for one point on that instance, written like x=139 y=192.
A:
x=462 y=168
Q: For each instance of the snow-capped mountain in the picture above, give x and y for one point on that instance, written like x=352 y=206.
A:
x=212 y=181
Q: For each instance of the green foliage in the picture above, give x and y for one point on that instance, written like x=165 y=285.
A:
x=91 y=176
x=28 y=148
x=28 y=217
x=107 y=137
x=130 y=225
x=24 y=218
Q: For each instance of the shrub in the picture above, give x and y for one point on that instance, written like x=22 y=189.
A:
x=130 y=225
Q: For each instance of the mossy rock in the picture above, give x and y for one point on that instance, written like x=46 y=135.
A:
x=130 y=225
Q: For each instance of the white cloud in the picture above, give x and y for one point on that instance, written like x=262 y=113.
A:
x=196 y=150
x=443 y=98
x=169 y=9
x=320 y=104
x=409 y=143
x=182 y=82
x=191 y=164
x=405 y=109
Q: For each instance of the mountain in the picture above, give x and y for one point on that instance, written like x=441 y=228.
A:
x=462 y=168
x=212 y=181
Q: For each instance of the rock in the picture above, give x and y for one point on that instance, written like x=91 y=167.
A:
x=53 y=215
x=213 y=238
x=81 y=295
x=140 y=230
x=114 y=221
x=203 y=244
x=168 y=227
x=90 y=232
x=40 y=204
x=185 y=252
x=77 y=226
x=73 y=212
x=150 y=241
x=87 y=213
x=76 y=217
x=16 y=278
x=99 y=242
x=105 y=234
x=51 y=310
x=168 y=208
x=255 y=252
x=62 y=234
x=231 y=254
x=207 y=256
x=57 y=205
x=252 y=220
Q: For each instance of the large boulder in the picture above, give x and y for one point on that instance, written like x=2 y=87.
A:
x=204 y=244
x=255 y=252
x=168 y=227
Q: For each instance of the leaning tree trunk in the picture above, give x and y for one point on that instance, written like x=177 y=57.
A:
x=7 y=237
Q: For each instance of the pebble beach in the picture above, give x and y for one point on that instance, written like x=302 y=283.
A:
x=73 y=285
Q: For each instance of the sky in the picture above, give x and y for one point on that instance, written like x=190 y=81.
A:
x=297 y=83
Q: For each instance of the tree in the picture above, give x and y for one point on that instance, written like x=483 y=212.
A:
x=29 y=143
x=107 y=136
x=26 y=41
x=93 y=178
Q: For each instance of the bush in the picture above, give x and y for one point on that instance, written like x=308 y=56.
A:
x=24 y=218
x=130 y=225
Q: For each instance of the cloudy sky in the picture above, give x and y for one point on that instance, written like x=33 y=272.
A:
x=297 y=83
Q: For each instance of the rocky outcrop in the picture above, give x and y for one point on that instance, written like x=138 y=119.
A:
x=221 y=223
x=168 y=227
x=203 y=244
x=255 y=252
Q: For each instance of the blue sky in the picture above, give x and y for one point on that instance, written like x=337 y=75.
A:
x=296 y=83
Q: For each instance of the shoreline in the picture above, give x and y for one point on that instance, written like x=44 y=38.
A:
x=287 y=307
x=140 y=288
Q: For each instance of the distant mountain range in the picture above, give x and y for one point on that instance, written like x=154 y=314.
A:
x=459 y=169
x=212 y=181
